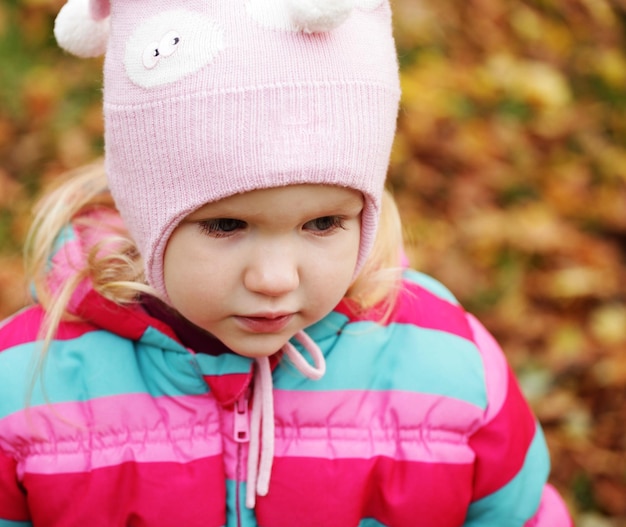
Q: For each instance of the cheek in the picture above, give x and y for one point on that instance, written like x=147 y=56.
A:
x=350 y=251
x=182 y=269
x=339 y=265
x=195 y=271
x=184 y=280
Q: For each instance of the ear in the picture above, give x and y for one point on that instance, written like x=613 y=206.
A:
x=82 y=27
x=317 y=16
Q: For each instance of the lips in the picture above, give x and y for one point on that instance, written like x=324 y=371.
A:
x=265 y=323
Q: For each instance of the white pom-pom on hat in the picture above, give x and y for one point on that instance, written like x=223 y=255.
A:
x=82 y=27
x=317 y=16
x=369 y=5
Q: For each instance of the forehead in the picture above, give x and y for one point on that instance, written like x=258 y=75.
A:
x=293 y=199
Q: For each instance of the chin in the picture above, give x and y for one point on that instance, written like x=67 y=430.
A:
x=256 y=353
x=259 y=347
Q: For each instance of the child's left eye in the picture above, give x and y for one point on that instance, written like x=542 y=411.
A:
x=220 y=227
x=324 y=224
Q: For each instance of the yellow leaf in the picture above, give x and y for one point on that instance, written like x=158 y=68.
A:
x=608 y=324
x=611 y=65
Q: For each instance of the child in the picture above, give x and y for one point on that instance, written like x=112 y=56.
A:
x=237 y=345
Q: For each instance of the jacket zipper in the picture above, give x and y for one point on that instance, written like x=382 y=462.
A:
x=241 y=434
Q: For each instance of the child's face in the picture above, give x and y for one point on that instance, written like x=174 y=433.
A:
x=255 y=268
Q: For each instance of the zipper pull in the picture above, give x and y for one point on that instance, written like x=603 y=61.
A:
x=242 y=420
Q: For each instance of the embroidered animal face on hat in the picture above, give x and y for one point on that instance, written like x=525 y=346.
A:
x=204 y=99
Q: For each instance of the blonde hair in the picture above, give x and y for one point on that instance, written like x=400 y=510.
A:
x=117 y=271
x=376 y=286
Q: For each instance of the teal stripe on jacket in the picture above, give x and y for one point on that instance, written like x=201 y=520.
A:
x=247 y=516
x=225 y=364
x=504 y=508
x=399 y=357
x=66 y=235
x=430 y=284
x=371 y=522
x=98 y=364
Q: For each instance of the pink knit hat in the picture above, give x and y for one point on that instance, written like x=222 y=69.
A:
x=204 y=99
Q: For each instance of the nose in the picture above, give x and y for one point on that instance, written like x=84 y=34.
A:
x=272 y=270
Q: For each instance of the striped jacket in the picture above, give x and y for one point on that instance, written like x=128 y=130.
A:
x=419 y=422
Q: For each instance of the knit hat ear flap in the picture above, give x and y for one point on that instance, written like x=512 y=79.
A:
x=82 y=27
x=316 y=16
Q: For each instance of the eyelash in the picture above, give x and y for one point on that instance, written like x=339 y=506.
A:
x=330 y=224
x=224 y=227
x=221 y=227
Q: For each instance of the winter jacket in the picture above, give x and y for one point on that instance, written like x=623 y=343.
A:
x=417 y=422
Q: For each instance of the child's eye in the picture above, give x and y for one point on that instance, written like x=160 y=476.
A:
x=220 y=227
x=324 y=224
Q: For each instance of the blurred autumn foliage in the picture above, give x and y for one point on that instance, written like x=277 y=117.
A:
x=510 y=171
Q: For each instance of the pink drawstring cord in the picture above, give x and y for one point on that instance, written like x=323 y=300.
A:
x=261 y=453
x=315 y=372
x=260 y=463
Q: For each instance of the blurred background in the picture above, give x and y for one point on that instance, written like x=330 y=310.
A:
x=510 y=171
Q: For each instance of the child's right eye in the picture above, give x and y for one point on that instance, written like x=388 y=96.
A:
x=220 y=227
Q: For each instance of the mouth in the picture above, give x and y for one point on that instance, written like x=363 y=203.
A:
x=265 y=322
